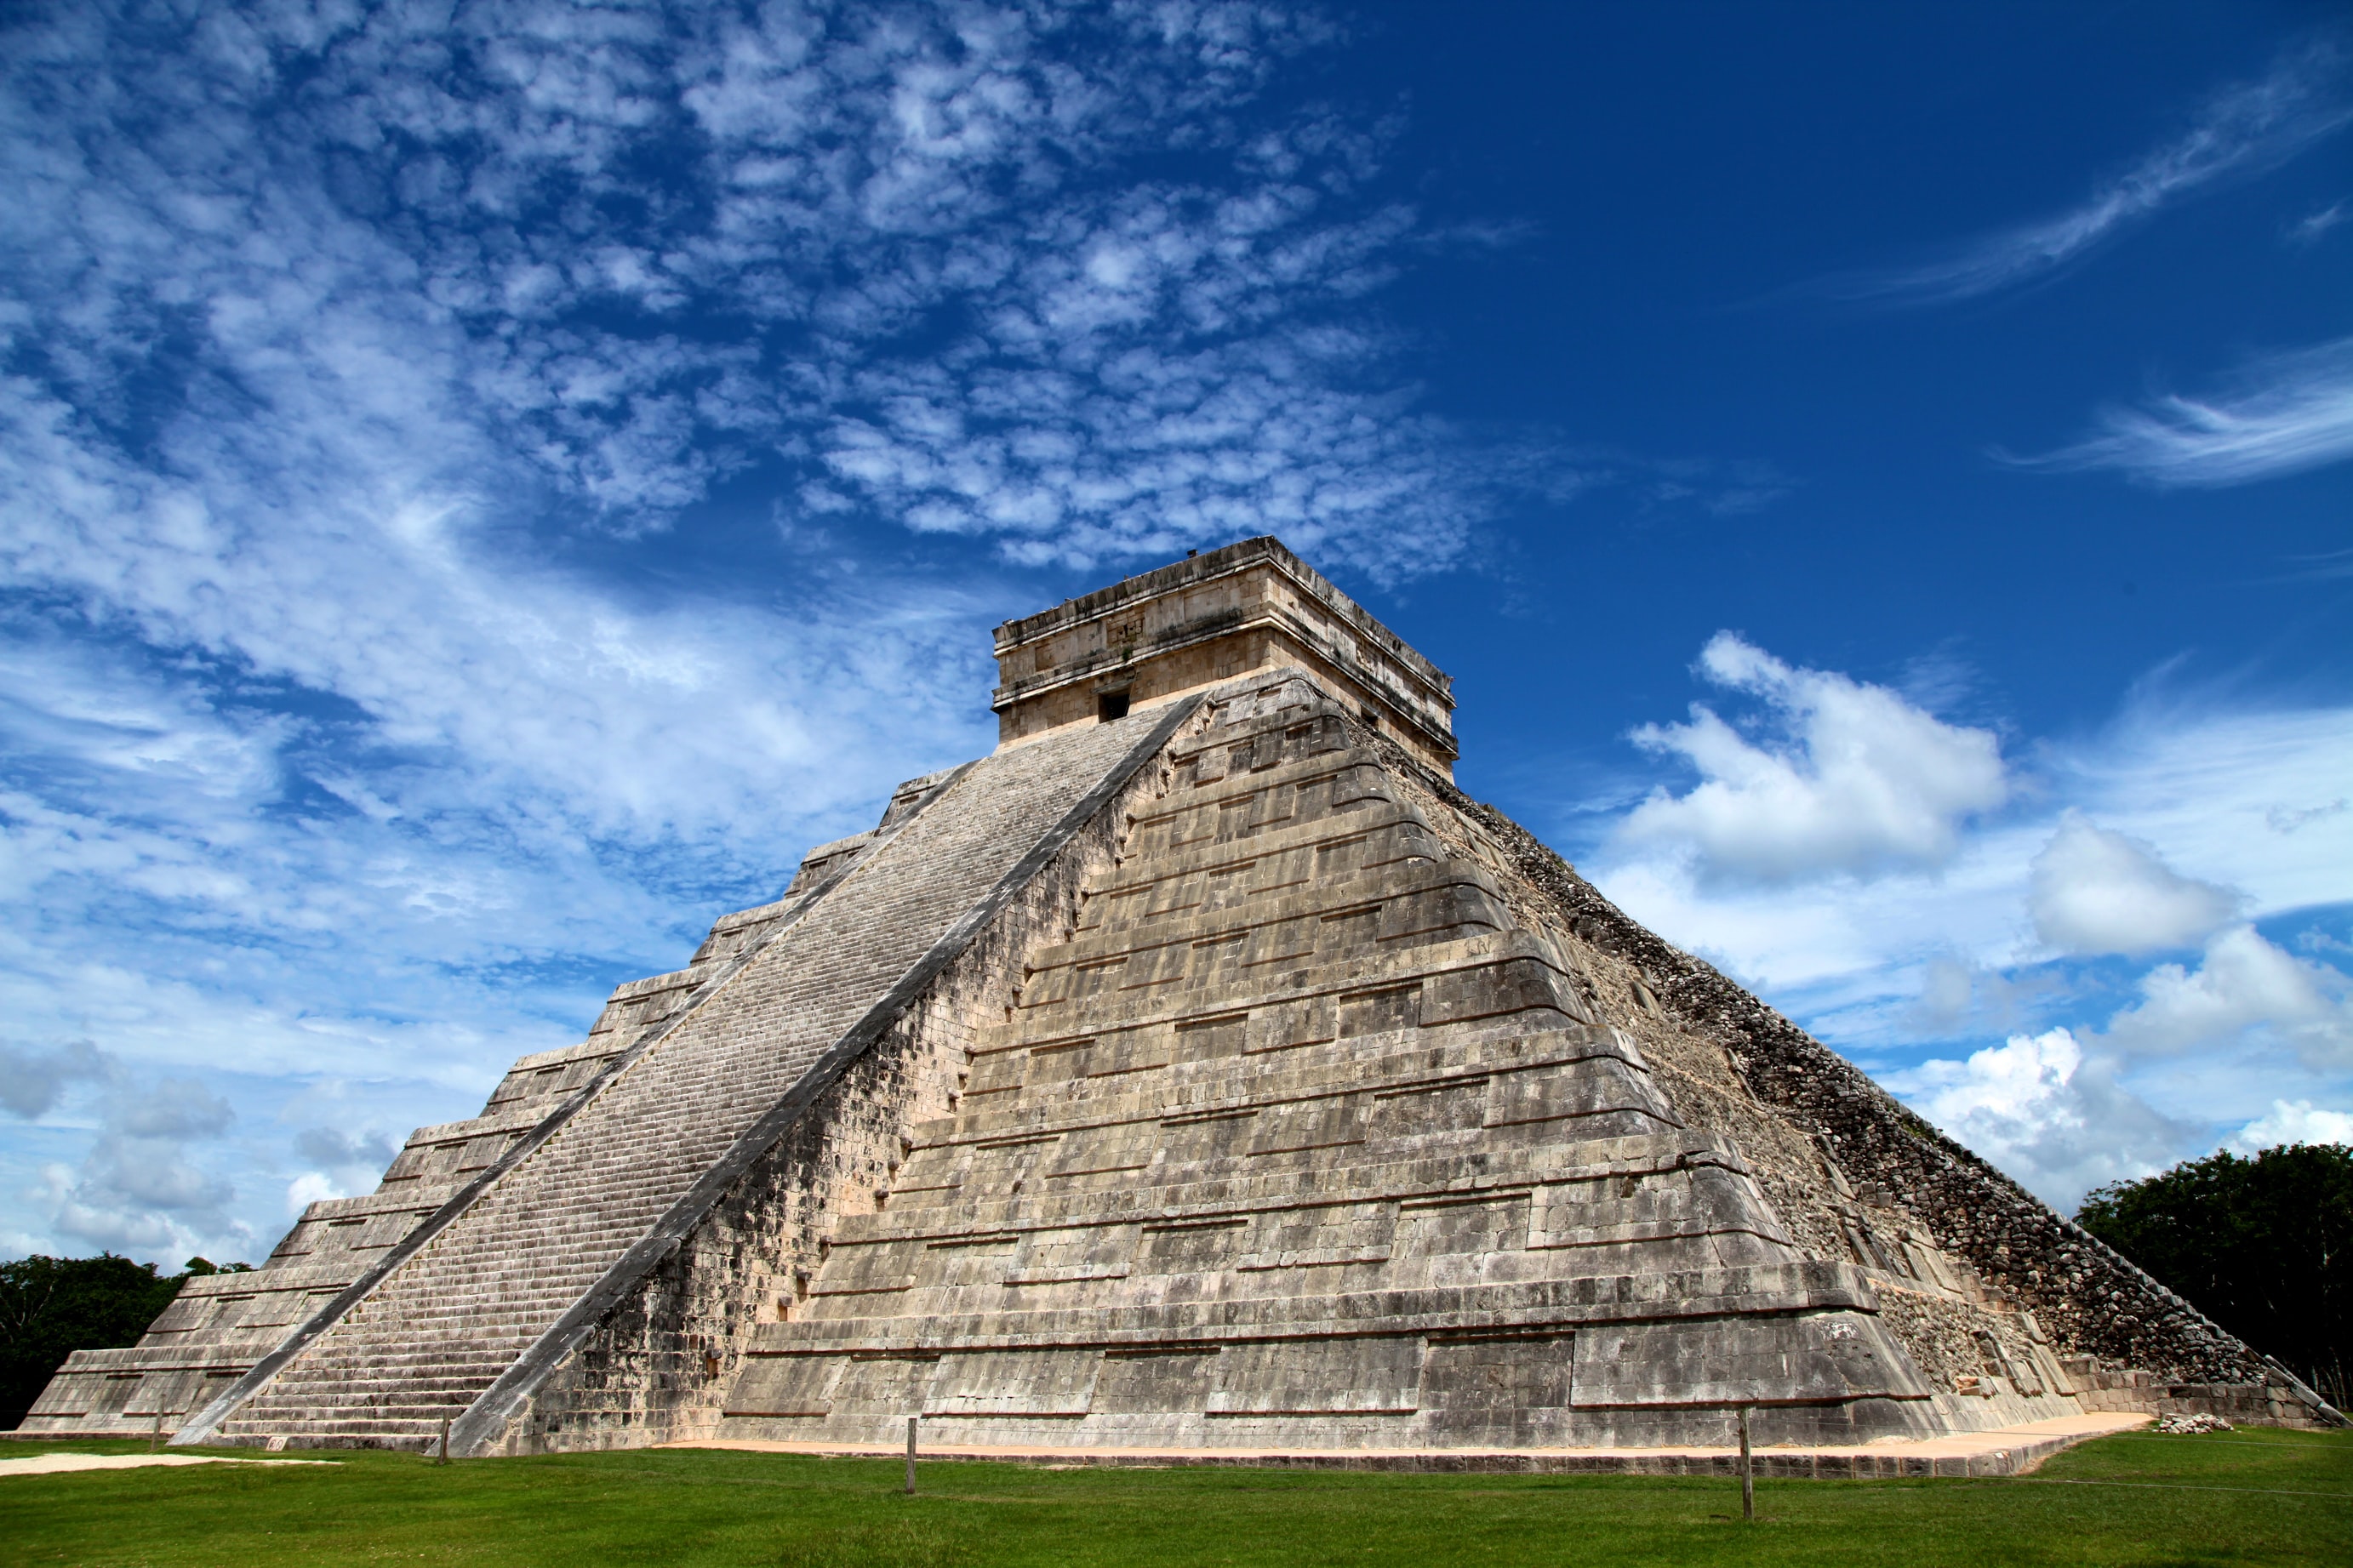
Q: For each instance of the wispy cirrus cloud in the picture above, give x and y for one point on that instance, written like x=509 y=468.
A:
x=2283 y=413
x=2243 y=130
x=2309 y=229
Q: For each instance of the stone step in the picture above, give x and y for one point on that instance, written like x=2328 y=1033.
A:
x=455 y=1315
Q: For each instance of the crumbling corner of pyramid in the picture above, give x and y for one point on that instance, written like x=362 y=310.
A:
x=1858 y=1171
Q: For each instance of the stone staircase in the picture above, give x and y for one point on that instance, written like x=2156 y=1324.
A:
x=220 y=1325
x=452 y=1317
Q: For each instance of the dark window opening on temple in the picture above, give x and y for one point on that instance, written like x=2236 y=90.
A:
x=1110 y=705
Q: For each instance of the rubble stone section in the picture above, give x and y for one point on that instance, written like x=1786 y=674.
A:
x=1302 y=1136
x=1992 y=1292
x=1210 y=618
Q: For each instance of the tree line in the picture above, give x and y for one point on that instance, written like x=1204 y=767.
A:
x=52 y=1306
x=2260 y=1244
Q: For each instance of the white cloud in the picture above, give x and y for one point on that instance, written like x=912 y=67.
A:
x=2243 y=130
x=148 y=1183
x=2307 y=229
x=2201 y=786
x=2040 y=1108
x=31 y=1082
x=1851 y=779
x=2094 y=891
x=2243 y=984
x=311 y=1187
x=2294 y=1122
x=2280 y=415
x=1957 y=997
x=2189 y=800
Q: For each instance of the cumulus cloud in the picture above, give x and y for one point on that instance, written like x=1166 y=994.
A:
x=2294 y=1122
x=1840 y=776
x=2094 y=891
x=2243 y=130
x=2242 y=984
x=2168 y=828
x=2280 y=414
x=1956 y=996
x=345 y=1164
x=145 y=1185
x=369 y=1151
x=2045 y=1112
x=32 y=1081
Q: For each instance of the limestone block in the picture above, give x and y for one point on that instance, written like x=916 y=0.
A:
x=1500 y=1391
x=1822 y=1356
x=1319 y=1377
x=1023 y=1383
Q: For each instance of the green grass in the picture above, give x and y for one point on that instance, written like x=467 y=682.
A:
x=2247 y=1496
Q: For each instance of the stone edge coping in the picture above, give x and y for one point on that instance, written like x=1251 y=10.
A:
x=58 y=1464
x=1227 y=561
x=2002 y=1451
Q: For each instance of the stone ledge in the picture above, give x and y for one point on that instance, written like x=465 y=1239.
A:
x=2003 y=1451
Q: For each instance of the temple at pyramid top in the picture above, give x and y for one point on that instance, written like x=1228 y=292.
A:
x=1209 y=618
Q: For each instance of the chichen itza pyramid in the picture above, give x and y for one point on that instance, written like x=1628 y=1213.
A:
x=1199 y=1068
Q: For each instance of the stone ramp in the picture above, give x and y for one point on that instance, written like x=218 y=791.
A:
x=2002 y=1451
x=446 y=1323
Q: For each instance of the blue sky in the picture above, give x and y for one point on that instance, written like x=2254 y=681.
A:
x=483 y=486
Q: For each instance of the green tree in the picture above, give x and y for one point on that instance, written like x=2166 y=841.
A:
x=2261 y=1245
x=51 y=1307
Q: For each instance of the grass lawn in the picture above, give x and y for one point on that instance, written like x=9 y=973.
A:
x=2257 y=1496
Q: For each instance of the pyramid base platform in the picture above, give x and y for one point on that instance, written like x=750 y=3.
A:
x=2002 y=1451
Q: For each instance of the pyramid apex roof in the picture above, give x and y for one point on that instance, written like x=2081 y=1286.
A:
x=1213 y=616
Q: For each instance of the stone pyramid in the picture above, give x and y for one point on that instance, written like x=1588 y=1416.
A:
x=1200 y=1068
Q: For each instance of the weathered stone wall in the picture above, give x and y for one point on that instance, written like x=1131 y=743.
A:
x=1991 y=1364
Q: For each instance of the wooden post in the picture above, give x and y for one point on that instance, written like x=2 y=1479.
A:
x=1747 y=1471
x=443 y=1457
x=911 y=1455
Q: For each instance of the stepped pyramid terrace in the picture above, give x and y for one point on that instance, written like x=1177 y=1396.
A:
x=1198 y=1070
